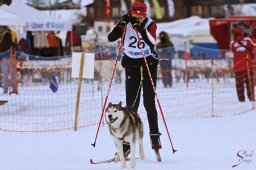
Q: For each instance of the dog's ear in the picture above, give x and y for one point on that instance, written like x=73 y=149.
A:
x=110 y=105
x=120 y=104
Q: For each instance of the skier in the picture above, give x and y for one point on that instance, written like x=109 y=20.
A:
x=135 y=68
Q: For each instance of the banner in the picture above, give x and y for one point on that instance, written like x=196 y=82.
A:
x=123 y=8
x=171 y=8
x=186 y=54
x=47 y=26
x=107 y=8
x=148 y=8
x=157 y=8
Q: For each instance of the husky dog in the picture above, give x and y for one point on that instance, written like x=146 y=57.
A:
x=125 y=125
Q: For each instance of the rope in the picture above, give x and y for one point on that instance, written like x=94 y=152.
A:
x=141 y=79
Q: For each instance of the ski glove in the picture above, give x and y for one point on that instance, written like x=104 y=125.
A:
x=137 y=25
x=124 y=20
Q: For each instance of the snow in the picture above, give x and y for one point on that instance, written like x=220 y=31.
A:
x=244 y=9
x=202 y=144
x=86 y=2
x=210 y=143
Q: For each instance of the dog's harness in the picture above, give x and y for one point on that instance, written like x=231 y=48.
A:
x=122 y=138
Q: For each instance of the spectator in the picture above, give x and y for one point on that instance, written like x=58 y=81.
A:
x=73 y=40
x=24 y=46
x=242 y=48
x=166 y=51
x=253 y=36
x=6 y=45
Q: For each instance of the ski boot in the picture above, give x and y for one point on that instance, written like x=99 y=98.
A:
x=156 y=145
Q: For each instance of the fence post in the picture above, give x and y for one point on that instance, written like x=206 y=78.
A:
x=101 y=78
x=79 y=90
x=13 y=73
x=212 y=87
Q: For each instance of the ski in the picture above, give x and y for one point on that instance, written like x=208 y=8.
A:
x=105 y=161
x=102 y=162
x=158 y=156
x=2 y=102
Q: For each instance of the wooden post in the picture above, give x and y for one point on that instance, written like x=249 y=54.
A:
x=10 y=72
x=79 y=90
x=15 y=71
x=213 y=69
x=186 y=72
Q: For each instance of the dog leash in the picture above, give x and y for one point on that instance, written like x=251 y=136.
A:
x=141 y=79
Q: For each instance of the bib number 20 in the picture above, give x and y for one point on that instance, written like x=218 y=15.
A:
x=135 y=43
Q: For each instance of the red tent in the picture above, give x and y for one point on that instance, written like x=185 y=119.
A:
x=221 y=29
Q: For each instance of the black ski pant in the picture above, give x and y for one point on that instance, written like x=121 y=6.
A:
x=133 y=92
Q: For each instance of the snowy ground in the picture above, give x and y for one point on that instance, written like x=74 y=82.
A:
x=211 y=143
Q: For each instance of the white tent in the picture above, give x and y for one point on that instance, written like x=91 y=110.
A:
x=36 y=20
x=201 y=36
x=184 y=26
x=7 y=18
x=192 y=28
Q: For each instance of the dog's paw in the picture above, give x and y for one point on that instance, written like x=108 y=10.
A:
x=117 y=158
x=132 y=163
x=142 y=156
x=123 y=166
x=141 y=153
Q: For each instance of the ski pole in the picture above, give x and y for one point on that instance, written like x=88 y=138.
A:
x=153 y=86
x=110 y=84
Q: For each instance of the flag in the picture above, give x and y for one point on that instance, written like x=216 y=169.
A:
x=171 y=8
x=148 y=8
x=54 y=84
x=123 y=8
x=157 y=9
x=107 y=8
x=186 y=55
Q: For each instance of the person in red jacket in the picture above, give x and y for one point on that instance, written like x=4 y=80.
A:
x=253 y=37
x=73 y=40
x=242 y=48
